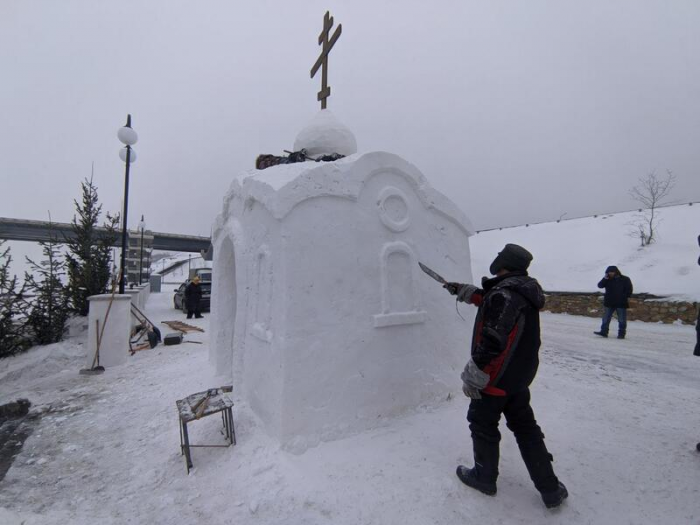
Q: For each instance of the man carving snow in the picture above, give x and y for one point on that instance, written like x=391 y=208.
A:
x=504 y=360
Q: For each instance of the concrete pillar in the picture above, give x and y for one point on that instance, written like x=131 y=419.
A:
x=114 y=345
x=146 y=293
x=133 y=294
x=139 y=296
x=156 y=281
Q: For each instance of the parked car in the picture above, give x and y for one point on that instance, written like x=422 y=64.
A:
x=179 y=298
x=203 y=273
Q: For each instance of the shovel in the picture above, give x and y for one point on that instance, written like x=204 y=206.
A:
x=96 y=367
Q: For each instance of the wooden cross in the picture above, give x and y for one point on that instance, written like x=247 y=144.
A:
x=327 y=44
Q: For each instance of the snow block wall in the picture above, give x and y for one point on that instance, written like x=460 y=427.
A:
x=320 y=312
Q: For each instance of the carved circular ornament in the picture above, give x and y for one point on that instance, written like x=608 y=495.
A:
x=393 y=209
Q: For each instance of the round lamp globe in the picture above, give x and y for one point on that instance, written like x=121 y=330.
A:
x=132 y=157
x=127 y=135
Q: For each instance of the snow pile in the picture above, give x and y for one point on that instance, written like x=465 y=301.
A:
x=21 y=374
x=325 y=135
x=572 y=255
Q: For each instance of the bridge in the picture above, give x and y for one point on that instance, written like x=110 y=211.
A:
x=38 y=231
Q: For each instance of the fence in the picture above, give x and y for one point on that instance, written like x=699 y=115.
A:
x=643 y=307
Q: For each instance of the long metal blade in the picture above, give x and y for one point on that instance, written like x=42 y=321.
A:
x=431 y=273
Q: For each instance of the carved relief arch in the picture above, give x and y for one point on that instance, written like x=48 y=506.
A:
x=262 y=297
x=399 y=286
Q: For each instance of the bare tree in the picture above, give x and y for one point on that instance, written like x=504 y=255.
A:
x=651 y=193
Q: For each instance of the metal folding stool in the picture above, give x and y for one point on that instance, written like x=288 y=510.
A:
x=217 y=403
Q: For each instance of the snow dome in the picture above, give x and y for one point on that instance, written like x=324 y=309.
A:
x=326 y=135
x=320 y=313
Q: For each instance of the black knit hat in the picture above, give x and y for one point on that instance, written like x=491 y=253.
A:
x=513 y=258
x=612 y=269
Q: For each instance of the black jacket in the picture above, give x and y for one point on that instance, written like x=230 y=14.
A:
x=617 y=290
x=506 y=338
x=193 y=295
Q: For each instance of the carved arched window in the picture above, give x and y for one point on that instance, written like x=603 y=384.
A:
x=262 y=302
x=400 y=297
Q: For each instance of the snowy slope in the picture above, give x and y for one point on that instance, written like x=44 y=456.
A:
x=572 y=255
x=179 y=274
x=620 y=419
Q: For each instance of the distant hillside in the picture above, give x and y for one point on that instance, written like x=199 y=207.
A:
x=572 y=255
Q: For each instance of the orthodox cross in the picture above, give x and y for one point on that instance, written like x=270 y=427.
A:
x=327 y=44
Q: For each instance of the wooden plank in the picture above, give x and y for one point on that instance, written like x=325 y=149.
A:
x=182 y=327
x=216 y=403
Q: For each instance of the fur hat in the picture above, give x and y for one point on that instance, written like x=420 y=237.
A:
x=513 y=258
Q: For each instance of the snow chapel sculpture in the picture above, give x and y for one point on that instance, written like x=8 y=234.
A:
x=320 y=313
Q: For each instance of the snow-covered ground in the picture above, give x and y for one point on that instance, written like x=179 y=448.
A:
x=572 y=255
x=621 y=418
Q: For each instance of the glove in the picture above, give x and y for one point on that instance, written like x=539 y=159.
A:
x=453 y=288
x=474 y=380
x=462 y=291
x=465 y=293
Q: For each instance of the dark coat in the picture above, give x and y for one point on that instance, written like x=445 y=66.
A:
x=617 y=290
x=193 y=296
x=506 y=338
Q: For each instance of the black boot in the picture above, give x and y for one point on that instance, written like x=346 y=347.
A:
x=601 y=334
x=538 y=461
x=555 y=498
x=470 y=478
x=621 y=335
x=485 y=472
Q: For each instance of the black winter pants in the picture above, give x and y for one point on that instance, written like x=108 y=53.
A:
x=697 y=334
x=484 y=415
x=194 y=310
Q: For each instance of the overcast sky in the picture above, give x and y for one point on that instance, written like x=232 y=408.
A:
x=519 y=111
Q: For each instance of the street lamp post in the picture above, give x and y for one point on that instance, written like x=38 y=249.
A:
x=128 y=137
x=142 y=227
x=148 y=266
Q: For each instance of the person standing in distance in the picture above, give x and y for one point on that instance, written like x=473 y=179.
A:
x=504 y=361
x=193 y=298
x=697 y=338
x=618 y=289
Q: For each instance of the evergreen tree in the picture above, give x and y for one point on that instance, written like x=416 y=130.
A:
x=49 y=310
x=89 y=250
x=13 y=308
